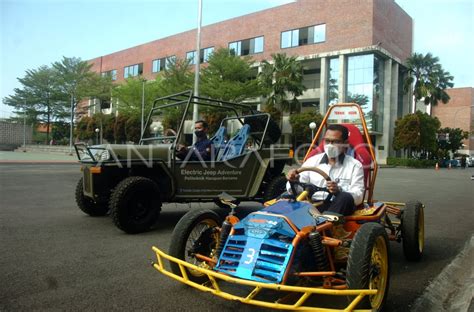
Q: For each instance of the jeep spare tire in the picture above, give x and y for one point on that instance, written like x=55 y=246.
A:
x=135 y=204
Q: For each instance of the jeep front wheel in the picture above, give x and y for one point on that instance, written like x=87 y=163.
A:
x=135 y=204
x=86 y=204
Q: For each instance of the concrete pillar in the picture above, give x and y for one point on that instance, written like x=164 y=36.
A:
x=323 y=88
x=384 y=142
x=342 y=78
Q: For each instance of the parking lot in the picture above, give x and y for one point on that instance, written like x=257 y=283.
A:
x=54 y=257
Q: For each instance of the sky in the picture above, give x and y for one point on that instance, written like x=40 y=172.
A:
x=39 y=32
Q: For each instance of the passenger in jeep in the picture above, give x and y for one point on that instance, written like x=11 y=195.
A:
x=202 y=149
x=346 y=173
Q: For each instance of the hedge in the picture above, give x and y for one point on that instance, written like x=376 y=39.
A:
x=409 y=162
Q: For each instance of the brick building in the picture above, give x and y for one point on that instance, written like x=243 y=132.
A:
x=458 y=113
x=348 y=49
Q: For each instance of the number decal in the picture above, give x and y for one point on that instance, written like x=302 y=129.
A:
x=250 y=256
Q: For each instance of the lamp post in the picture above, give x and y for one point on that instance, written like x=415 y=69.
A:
x=97 y=130
x=24 y=128
x=312 y=126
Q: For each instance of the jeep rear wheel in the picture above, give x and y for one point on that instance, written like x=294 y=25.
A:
x=135 y=204
x=86 y=204
x=195 y=233
x=275 y=188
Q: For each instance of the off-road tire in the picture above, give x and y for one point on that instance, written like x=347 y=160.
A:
x=360 y=264
x=181 y=235
x=135 y=204
x=86 y=204
x=275 y=188
x=412 y=230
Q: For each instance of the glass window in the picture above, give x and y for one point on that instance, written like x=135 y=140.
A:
x=206 y=54
x=234 y=48
x=169 y=61
x=295 y=35
x=155 y=66
x=133 y=70
x=111 y=73
x=333 y=81
x=191 y=57
x=303 y=36
x=365 y=87
x=286 y=39
x=258 y=46
x=319 y=33
x=246 y=47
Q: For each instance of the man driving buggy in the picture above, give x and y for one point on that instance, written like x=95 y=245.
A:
x=346 y=173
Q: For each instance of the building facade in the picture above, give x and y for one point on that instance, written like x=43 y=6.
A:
x=350 y=50
x=458 y=113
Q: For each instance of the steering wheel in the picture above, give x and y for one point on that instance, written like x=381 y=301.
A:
x=310 y=188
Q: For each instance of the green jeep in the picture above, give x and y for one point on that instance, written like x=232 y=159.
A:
x=131 y=182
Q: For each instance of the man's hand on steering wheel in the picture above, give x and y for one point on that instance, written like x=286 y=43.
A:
x=332 y=187
x=293 y=178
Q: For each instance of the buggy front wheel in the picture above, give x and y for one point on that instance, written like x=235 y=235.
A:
x=368 y=265
x=197 y=232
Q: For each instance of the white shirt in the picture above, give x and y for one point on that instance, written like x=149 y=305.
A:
x=350 y=174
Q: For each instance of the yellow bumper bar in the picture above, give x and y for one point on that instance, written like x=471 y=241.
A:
x=215 y=277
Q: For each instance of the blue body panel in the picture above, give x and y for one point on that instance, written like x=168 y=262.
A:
x=260 y=247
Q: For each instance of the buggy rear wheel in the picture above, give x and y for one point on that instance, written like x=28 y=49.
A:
x=413 y=230
x=195 y=233
x=368 y=265
x=86 y=204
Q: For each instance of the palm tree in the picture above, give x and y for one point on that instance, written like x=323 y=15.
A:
x=429 y=78
x=283 y=79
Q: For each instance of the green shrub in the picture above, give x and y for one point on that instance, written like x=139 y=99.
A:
x=409 y=162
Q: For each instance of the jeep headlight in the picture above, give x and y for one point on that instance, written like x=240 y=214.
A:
x=102 y=155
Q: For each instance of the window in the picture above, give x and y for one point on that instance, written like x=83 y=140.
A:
x=158 y=65
x=365 y=87
x=111 y=73
x=133 y=70
x=246 y=47
x=303 y=36
x=169 y=61
x=333 y=81
x=191 y=57
x=162 y=63
x=204 y=55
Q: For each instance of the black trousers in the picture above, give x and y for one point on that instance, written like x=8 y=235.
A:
x=342 y=203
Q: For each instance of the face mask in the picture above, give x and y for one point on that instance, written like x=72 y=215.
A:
x=199 y=133
x=332 y=150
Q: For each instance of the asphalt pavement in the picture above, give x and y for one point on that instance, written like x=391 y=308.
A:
x=56 y=258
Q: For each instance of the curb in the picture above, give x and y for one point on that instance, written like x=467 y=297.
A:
x=38 y=162
x=453 y=288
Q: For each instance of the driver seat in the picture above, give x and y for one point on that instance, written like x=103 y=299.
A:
x=358 y=150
